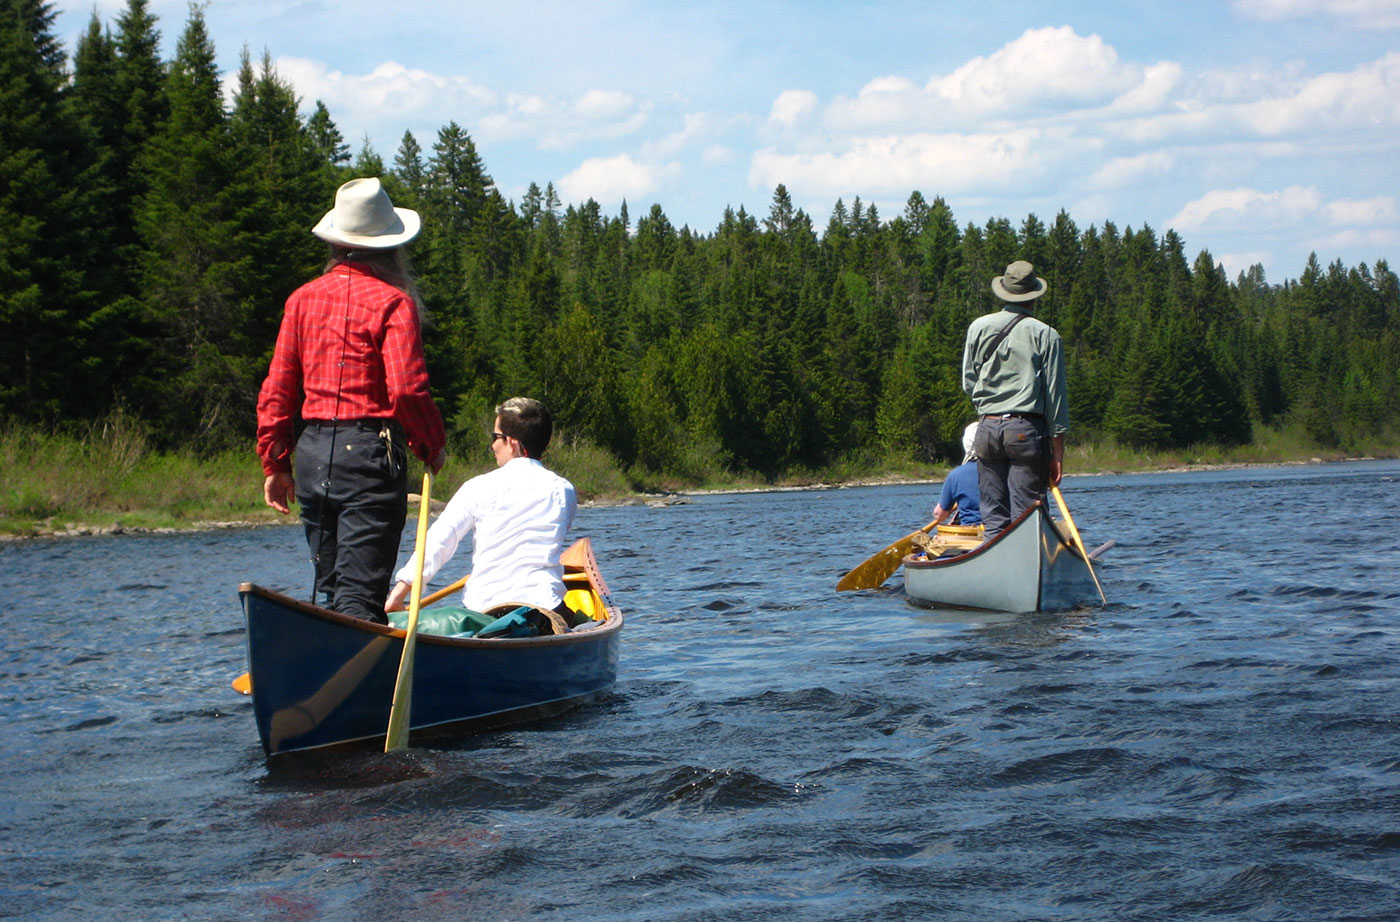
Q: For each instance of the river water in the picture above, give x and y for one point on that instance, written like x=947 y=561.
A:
x=1221 y=742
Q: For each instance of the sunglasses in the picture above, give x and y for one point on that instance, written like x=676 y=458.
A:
x=495 y=436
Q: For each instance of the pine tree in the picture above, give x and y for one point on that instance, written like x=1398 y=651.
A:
x=284 y=184
x=188 y=227
x=327 y=140
x=43 y=293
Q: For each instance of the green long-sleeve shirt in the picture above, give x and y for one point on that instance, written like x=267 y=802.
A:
x=1026 y=374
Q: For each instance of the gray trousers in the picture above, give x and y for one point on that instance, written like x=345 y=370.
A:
x=1013 y=468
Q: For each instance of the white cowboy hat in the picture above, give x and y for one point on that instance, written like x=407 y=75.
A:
x=363 y=217
x=1020 y=283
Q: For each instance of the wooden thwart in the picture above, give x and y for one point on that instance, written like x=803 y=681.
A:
x=950 y=538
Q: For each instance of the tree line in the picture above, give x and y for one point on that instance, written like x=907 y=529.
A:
x=154 y=230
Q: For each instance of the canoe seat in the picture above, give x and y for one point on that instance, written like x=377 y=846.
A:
x=946 y=544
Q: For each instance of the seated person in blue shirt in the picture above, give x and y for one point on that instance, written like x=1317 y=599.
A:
x=960 y=489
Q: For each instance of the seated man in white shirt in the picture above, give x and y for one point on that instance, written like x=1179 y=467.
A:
x=519 y=512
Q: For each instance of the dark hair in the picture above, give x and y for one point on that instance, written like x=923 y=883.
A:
x=527 y=421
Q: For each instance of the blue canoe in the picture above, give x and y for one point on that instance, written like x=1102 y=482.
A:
x=1030 y=566
x=323 y=680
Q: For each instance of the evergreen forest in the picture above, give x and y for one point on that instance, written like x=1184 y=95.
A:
x=154 y=229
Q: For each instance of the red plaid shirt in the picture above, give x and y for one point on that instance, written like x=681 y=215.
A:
x=347 y=315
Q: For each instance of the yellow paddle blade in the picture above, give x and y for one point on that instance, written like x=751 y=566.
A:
x=1078 y=541
x=881 y=566
x=243 y=684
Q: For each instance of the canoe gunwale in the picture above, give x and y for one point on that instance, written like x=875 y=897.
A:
x=922 y=563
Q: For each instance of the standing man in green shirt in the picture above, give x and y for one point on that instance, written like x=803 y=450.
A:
x=1014 y=371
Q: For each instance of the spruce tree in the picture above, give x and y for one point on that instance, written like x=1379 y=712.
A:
x=44 y=296
x=188 y=226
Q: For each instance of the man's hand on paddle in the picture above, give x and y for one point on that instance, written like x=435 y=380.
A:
x=279 y=490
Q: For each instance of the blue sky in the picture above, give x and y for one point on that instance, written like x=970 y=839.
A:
x=1260 y=130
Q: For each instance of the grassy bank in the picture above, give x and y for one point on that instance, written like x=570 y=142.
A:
x=108 y=480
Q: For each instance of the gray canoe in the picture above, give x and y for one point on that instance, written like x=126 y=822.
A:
x=1030 y=566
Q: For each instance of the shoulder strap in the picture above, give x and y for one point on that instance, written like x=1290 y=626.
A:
x=987 y=353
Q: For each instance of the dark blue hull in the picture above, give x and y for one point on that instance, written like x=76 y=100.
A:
x=321 y=679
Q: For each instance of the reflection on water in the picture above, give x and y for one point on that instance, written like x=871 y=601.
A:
x=1220 y=742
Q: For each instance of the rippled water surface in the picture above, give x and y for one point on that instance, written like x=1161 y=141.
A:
x=1222 y=742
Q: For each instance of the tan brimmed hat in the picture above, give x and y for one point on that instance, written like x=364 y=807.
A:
x=363 y=217
x=1020 y=283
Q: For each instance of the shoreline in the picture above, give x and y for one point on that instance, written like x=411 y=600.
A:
x=653 y=500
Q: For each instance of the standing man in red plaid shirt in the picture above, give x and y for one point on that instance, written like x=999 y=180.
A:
x=351 y=342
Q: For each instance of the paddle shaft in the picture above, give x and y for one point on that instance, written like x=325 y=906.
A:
x=1079 y=542
x=396 y=737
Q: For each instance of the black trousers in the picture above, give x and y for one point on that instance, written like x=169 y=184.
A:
x=1013 y=468
x=352 y=484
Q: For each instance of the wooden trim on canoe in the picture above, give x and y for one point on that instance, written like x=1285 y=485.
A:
x=912 y=561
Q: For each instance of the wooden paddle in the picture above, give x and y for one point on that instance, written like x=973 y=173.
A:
x=1079 y=542
x=244 y=683
x=396 y=737
x=881 y=566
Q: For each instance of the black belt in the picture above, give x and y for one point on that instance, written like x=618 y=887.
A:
x=369 y=424
x=1031 y=416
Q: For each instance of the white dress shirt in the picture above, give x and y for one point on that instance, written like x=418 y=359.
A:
x=520 y=513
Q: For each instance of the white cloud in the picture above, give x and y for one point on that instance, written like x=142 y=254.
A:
x=894 y=164
x=792 y=106
x=612 y=179
x=1230 y=107
x=1237 y=207
x=1371 y=211
x=698 y=130
x=884 y=101
x=1243 y=261
x=1367 y=97
x=717 y=155
x=1046 y=74
x=1043 y=65
x=1123 y=171
x=407 y=91
x=1152 y=90
x=415 y=96
x=604 y=104
x=1358 y=13
x=1378 y=241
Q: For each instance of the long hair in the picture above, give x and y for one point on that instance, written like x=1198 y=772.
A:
x=388 y=265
